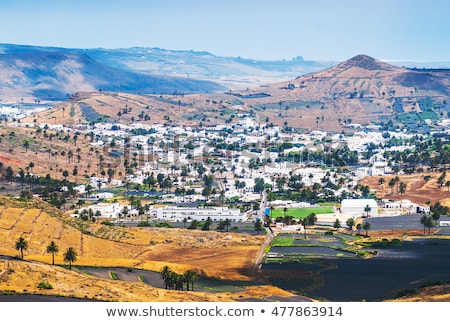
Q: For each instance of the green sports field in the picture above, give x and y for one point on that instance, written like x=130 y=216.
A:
x=300 y=213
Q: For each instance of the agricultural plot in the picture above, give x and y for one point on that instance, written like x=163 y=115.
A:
x=295 y=248
x=300 y=213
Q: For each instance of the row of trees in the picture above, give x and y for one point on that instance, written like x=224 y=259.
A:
x=175 y=281
x=69 y=255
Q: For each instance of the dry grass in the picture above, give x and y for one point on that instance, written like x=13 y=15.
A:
x=418 y=190
x=211 y=254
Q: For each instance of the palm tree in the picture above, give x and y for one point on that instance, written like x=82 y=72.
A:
x=165 y=274
x=190 y=276
x=52 y=248
x=304 y=223
x=366 y=227
x=427 y=222
x=423 y=220
x=258 y=226
x=70 y=256
x=21 y=245
x=227 y=223
x=367 y=209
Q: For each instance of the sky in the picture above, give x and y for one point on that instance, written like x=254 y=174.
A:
x=336 y=30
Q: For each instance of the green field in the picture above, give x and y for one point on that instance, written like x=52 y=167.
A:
x=300 y=213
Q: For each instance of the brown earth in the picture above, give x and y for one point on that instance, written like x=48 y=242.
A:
x=418 y=189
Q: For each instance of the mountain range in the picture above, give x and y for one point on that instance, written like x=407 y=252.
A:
x=52 y=74
x=191 y=87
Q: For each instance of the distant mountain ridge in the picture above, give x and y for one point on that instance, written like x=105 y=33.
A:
x=55 y=75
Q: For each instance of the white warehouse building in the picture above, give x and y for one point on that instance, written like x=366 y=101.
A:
x=355 y=207
x=199 y=214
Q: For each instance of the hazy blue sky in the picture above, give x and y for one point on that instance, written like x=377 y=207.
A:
x=259 y=29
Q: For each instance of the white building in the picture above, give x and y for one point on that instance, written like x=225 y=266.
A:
x=199 y=214
x=107 y=210
x=355 y=207
x=102 y=195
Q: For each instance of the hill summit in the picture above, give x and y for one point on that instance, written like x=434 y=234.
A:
x=366 y=62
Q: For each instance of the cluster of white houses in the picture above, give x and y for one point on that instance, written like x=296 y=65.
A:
x=169 y=213
x=353 y=208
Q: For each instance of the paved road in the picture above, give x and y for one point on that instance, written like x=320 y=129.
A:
x=400 y=223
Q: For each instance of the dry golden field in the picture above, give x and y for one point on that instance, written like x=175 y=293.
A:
x=211 y=254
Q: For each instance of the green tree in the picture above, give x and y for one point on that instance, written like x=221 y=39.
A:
x=227 y=223
x=207 y=224
x=258 y=226
x=366 y=227
x=312 y=218
x=190 y=276
x=350 y=224
x=402 y=188
x=21 y=245
x=70 y=256
x=427 y=222
x=337 y=224
x=194 y=224
x=367 y=209
x=53 y=249
x=165 y=274
x=392 y=184
x=26 y=144
x=221 y=226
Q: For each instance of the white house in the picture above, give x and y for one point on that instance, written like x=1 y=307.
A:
x=356 y=207
x=107 y=210
x=102 y=195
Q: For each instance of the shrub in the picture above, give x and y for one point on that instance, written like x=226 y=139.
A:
x=405 y=292
x=45 y=286
x=328 y=233
x=430 y=283
x=113 y=275
x=163 y=225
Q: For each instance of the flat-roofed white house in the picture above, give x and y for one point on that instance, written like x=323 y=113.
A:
x=107 y=210
x=356 y=207
x=199 y=214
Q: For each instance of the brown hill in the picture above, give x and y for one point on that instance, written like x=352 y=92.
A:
x=360 y=90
